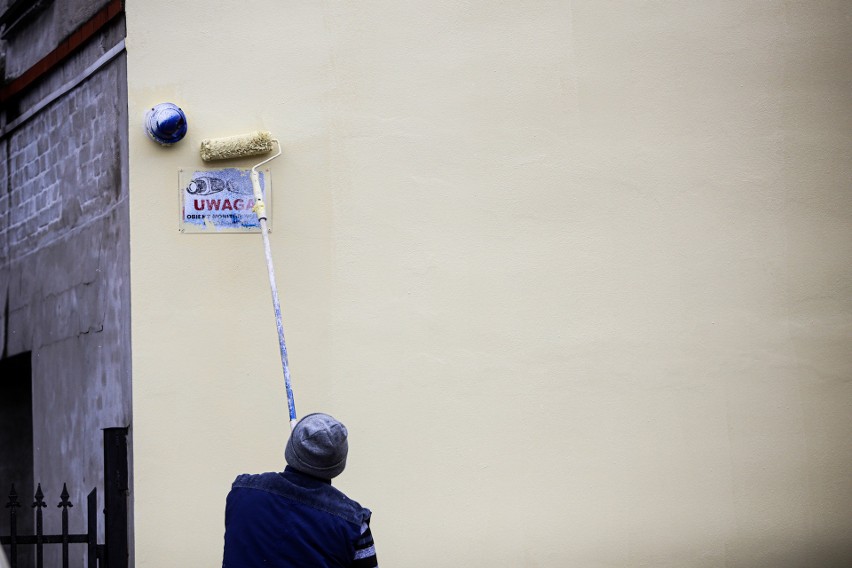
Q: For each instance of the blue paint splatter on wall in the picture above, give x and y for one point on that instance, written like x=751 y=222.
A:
x=220 y=200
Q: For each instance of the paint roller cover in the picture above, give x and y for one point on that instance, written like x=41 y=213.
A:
x=259 y=142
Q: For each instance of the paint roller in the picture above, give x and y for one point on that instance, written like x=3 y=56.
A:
x=242 y=146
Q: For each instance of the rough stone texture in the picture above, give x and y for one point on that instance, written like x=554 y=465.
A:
x=64 y=276
x=4 y=240
x=59 y=19
x=73 y=66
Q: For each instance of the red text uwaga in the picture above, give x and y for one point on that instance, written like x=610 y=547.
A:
x=223 y=204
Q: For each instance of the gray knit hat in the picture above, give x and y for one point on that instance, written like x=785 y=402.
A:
x=318 y=446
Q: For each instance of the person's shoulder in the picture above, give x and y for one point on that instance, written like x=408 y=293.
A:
x=255 y=479
x=362 y=513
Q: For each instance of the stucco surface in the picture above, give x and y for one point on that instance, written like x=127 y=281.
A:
x=575 y=274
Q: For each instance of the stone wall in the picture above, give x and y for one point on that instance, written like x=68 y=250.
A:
x=64 y=267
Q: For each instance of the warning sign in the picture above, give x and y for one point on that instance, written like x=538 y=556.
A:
x=221 y=201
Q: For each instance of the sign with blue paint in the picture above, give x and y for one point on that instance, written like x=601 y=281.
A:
x=221 y=201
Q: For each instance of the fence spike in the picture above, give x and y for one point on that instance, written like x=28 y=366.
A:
x=13 y=499
x=39 y=498
x=65 y=503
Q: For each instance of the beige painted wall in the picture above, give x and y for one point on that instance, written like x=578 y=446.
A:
x=576 y=275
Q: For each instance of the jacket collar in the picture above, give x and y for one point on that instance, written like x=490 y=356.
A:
x=294 y=474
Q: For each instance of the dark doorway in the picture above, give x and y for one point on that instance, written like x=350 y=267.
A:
x=16 y=436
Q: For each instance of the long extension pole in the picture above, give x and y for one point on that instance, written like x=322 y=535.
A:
x=260 y=210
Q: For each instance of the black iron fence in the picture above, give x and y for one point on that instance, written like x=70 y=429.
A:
x=114 y=552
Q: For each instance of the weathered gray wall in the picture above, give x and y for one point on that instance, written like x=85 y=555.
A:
x=57 y=21
x=64 y=256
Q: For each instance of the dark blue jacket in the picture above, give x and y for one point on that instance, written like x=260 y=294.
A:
x=290 y=520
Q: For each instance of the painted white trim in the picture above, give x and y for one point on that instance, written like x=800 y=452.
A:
x=64 y=89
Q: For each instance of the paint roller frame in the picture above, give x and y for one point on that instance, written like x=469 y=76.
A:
x=242 y=146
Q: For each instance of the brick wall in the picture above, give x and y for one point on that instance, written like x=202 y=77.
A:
x=64 y=272
x=71 y=144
